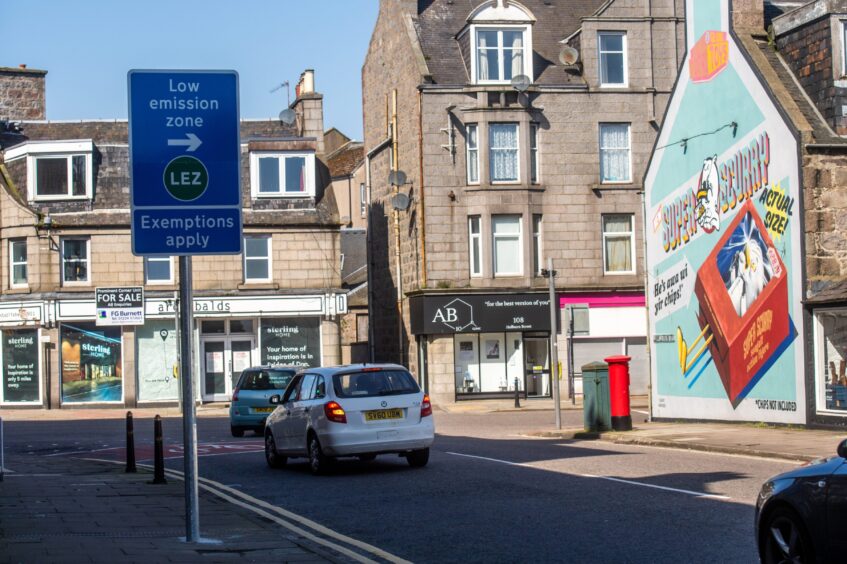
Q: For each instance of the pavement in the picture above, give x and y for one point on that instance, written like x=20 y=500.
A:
x=64 y=509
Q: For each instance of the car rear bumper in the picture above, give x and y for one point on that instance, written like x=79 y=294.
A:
x=349 y=442
x=249 y=420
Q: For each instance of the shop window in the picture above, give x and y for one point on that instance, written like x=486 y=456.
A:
x=618 y=244
x=158 y=270
x=613 y=71
x=57 y=170
x=831 y=358
x=21 y=381
x=274 y=175
x=157 y=363
x=18 y=263
x=615 y=153
x=257 y=259
x=472 y=146
x=536 y=245
x=91 y=363
x=293 y=341
x=503 y=154
x=241 y=326
x=506 y=245
x=488 y=362
x=534 y=165
x=475 y=244
x=213 y=326
x=75 y=256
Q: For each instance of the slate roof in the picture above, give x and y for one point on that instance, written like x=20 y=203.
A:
x=820 y=131
x=345 y=160
x=439 y=21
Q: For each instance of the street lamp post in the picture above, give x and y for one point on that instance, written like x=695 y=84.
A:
x=554 y=346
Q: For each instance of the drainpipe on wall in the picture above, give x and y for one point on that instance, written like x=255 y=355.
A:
x=397 y=256
x=421 y=185
x=647 y=347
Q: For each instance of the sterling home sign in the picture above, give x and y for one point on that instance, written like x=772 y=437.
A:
x=475 y=313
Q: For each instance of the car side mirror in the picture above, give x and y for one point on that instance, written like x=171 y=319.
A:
x=275 y=399
x=842 y=449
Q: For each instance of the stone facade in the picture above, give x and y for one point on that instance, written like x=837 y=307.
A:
x=407 y=56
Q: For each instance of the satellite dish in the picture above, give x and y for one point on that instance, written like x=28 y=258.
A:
x=287 y=116
x=568 y=56
x=521 y=82
x=400 y=201
x=397 y=178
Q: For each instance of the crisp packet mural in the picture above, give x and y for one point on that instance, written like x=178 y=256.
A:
x=724 y=257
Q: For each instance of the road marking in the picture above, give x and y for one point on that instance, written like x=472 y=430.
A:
x=180 y=457
x=259 y=506
x=599 y=477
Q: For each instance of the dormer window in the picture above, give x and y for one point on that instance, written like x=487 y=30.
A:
x=57 y=170
x=282 y=174
x=500 y=54
x=501 y=42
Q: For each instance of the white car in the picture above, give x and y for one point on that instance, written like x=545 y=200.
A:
x=356 y=410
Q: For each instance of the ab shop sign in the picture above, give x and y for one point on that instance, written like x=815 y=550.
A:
x=432 y=315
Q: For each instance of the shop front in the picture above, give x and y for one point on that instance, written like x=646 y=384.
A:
x=483 y=346
x=21 y=383
x=139 y=364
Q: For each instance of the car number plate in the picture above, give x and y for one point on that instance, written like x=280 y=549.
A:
x=383 y=414
x=263 y=409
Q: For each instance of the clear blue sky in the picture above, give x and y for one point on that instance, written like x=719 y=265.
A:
x=87 y=47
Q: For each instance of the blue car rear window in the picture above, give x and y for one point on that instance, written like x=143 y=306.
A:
x=374 y=383
x=267 y=380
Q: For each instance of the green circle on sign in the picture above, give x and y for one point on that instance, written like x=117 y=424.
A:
x=186 y=178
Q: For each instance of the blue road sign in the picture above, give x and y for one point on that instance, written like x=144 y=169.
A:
x=184 y=154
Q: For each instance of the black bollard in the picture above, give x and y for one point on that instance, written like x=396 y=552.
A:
x=159 y=456
x=517 y=394
x=130 y=445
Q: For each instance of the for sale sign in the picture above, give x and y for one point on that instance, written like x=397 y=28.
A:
x=120 y=306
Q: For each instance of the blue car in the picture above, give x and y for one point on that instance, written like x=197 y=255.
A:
x=251 y=403
x=801 y=515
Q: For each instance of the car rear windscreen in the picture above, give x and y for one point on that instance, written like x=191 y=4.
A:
x=374 y=383
x=267 y=380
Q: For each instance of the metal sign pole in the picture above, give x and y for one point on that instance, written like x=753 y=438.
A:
x=2 y=453
x=554 y=345
x=189 y=422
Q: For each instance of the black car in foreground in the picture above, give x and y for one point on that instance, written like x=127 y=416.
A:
x=801 y=515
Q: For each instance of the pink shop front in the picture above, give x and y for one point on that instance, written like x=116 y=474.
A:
x=597 y=325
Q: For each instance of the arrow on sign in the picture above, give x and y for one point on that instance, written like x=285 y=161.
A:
x=191 y=143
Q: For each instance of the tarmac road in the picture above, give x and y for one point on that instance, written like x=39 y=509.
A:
x=489 y=494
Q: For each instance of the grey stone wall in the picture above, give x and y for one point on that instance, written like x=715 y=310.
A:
x=825 y=206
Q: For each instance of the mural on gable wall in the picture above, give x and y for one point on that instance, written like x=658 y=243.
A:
x=723 y=236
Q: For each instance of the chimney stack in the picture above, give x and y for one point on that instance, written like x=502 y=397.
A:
x=22 y=94
x=748 y=15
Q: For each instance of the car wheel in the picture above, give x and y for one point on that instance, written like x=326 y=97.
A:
x=273 y=458
x=236 y=431
x=319 y=463
x=784 y=539
x=418 y=458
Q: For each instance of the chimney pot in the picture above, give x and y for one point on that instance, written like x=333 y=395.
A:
x=22 y=65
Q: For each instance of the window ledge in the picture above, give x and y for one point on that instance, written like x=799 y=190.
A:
x=502 y=187
x=258 y=286
x=616 y=186
x=76 y=286
x=19 y=290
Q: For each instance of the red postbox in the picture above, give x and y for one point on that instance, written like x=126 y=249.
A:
x=619 y=392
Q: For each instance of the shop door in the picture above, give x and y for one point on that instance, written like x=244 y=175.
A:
x=537 y=374
x=223 y=361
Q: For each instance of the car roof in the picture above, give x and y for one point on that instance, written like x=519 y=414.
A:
x=274 y=367
x=346 y=368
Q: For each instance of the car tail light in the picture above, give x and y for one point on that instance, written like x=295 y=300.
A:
x=334 y=412
x=426 y=406
x=235 y=394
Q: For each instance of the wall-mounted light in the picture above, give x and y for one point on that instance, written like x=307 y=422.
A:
x=43 y=228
